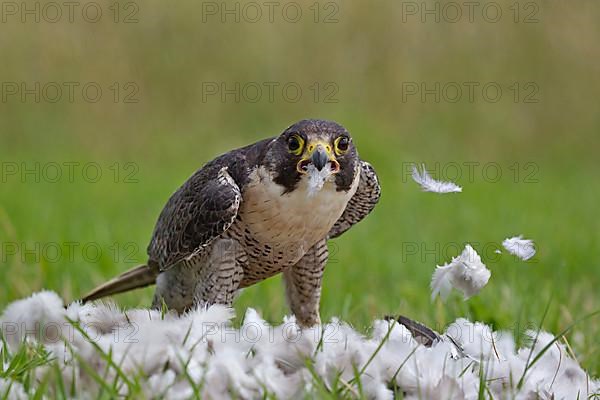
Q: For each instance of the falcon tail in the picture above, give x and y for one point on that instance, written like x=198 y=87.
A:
x=138 y=277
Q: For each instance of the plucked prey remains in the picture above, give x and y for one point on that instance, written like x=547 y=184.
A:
x=254 y=212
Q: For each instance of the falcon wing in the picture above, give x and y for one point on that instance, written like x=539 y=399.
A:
x=362 y=203
x=200 y=211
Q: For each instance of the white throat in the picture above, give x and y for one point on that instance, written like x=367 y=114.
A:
x=298 y=218
x=316 y=178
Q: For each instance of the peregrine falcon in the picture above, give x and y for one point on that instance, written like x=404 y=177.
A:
x=254 y=212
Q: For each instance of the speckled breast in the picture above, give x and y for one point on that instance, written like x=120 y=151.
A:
x=277 y=229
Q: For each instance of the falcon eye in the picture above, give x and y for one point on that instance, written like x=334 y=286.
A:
x=341 y=144
x=295 y=144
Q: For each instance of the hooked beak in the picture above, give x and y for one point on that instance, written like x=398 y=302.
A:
x=319 y=158
x=318 y=154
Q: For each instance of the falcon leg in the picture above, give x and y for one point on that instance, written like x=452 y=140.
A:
x=211 y=278
x=303 y=284
x=221 y=275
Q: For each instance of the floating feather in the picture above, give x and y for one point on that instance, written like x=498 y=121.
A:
x=522 y=248
x=428 y=184
x=466 y=273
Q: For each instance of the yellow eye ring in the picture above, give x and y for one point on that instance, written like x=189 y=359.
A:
x=295 y=144
x=341 y=145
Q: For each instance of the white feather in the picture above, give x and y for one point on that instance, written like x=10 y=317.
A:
x=441 y=283
x=316 y=178
x=522 y=248
x=428 y=184
x=466 y=273
x=12 y=390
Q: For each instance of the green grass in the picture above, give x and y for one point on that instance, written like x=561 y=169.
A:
x=374 y=269
x=369 y=54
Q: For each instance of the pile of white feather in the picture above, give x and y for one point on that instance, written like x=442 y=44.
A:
x=201 y=353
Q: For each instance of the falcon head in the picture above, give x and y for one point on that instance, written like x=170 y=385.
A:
x=315 y=152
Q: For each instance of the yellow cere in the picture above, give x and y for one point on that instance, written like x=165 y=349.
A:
x=313 y=145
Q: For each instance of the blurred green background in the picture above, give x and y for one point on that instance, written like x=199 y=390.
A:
x=157 y=121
